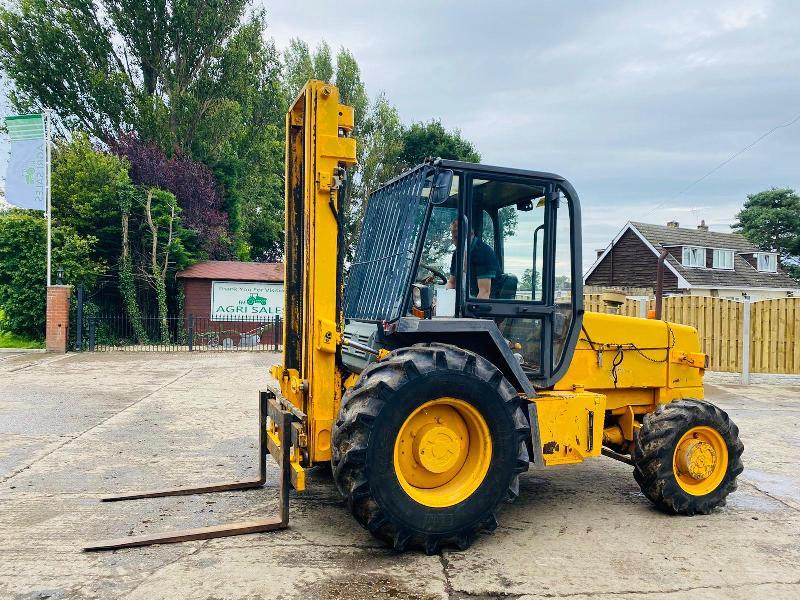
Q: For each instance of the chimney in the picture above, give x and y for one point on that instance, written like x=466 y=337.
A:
x=673 y=224
x=703 y=226
x=599 y=252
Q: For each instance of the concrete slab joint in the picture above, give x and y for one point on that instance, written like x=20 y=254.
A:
x=57 y=328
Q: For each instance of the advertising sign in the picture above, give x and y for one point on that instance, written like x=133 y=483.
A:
x=242 y=300
x=26 y=175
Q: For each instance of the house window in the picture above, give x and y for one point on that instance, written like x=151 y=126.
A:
x=694 y=256
x=767 y=262
x=723 y=259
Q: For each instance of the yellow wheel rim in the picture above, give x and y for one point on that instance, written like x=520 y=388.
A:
x=442 y=452
x=700 y=460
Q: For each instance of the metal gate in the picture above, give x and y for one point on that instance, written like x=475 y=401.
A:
x=103 y=331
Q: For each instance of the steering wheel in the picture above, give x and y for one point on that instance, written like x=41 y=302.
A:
x=439 y=277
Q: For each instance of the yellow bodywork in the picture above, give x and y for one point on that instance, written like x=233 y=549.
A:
x=570 y=425
x=317 y=147
x=622 y=367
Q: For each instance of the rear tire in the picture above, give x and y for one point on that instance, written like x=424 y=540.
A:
x=373 y=422
x=681 y=429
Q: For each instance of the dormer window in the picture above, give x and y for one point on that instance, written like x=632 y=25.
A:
x=767 y=262
x=694 y=256
x=723 y=259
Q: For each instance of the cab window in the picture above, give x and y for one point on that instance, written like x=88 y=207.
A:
x=509 y=267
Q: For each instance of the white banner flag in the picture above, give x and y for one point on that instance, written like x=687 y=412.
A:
x=26 y=176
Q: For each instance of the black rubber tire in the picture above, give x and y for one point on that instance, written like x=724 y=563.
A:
x=370 y=417
x=655 y=448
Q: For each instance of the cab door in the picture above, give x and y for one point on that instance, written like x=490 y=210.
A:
x=522 y=269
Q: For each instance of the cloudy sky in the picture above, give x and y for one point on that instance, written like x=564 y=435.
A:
x=632 y=102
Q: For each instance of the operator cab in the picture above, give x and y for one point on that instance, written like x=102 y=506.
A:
x=478 y=243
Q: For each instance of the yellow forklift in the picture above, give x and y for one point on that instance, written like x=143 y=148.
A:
x=455 y=352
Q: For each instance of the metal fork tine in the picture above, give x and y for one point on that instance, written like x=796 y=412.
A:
x=187 y=535
x=217 y=531
x=186 y=491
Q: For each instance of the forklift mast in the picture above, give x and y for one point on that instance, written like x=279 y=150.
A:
x=318 y=149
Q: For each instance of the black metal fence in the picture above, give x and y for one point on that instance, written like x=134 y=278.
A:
x=104 y=332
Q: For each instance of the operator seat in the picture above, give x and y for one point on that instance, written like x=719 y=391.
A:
x=504 y=287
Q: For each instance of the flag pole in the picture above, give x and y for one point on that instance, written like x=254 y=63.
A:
x=47 y=125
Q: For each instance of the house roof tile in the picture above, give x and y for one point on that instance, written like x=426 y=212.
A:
x=743 y=275
x=229 y=270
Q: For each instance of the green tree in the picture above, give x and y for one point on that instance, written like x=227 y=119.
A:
x=23 y=239
x=431 y=139
x=127 y=281
x=241 y=139
x=161 y=214
x=379 y=147
x=299 y=67
x=352 y=90
x=85 y=195
x=423 y=140
x=114 y=64
x=771 y=220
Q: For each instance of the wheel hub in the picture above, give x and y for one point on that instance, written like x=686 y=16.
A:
x=437 y=448
x=442 y=452
x=700 y=460
x=696 y=459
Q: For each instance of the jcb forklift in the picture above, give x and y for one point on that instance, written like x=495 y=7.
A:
x=455 y=353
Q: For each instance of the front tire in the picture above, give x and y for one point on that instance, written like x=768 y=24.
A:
x=687 y=456
x=428 y=444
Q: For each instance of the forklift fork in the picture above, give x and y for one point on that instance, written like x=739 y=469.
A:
x=268 y=406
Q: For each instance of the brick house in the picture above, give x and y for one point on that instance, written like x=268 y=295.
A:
x=700 y=262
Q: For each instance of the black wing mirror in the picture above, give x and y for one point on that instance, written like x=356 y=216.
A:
x=440 y=190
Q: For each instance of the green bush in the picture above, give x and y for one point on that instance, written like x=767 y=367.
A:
x=23 y=267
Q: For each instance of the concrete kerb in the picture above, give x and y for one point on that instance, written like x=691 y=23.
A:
x=719 y=377
x=22 y=350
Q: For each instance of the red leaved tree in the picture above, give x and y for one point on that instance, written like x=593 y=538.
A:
x=193 y=185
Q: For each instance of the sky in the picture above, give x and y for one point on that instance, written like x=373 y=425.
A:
x=632 y=102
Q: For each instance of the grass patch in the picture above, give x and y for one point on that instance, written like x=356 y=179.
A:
x=12 y=340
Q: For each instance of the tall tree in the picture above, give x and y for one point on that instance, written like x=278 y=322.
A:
x=299 y=67
x=86 y=186
x=161 y=215
x=423 y=140
x=127 y=278
x=192 y=183
x=379 y=148
x=196 y=77
x=771 y=220
x=115 y=64
x=352 y=90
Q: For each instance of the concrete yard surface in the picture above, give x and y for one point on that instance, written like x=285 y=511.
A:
x=76 y=427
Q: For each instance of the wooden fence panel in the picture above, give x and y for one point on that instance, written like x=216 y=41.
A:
x=718 y=323
x=774 y=329
x=775 y=344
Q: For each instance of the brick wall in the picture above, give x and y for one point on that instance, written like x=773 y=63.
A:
x=58 y=297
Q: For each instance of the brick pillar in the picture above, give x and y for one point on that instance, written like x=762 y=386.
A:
x=58 y=297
